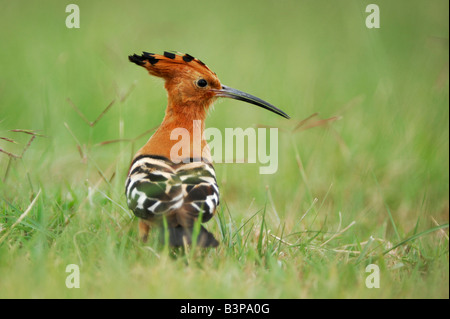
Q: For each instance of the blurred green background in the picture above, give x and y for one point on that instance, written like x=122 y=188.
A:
x=383 y=163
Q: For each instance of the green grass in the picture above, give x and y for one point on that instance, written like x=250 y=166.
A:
x=369 y=186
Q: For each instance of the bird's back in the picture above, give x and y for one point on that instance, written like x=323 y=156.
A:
x=156 y=188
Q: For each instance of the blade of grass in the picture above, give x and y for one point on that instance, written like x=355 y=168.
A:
x=423 y=233
x=391 y=218
x=21 y=217
x=365 y=250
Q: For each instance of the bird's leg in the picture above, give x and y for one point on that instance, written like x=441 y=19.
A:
x=143 y=230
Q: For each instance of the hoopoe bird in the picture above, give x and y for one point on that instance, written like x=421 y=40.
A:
x=164 y=188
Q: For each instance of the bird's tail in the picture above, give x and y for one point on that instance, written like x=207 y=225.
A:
x=179 y=236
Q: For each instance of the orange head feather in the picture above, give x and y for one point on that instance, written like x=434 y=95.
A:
x=192 y=87
x=190 y=82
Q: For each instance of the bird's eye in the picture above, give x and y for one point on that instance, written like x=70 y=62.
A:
x=202 y=83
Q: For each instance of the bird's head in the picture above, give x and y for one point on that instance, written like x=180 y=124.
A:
x=190 y=83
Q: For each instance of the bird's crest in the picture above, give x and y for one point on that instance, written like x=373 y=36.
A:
x=168 y=64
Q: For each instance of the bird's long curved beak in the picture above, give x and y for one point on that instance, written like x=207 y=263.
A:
x=242 y=96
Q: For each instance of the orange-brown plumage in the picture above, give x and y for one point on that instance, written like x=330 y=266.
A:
x=187 y=102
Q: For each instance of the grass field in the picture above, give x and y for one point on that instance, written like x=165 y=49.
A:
x=364 y=181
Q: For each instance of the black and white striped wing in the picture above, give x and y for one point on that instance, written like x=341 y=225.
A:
x=156 y=186
x=200 y=189
x=153 y=188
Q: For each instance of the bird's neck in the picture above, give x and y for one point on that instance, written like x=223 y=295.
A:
x=180 y=135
